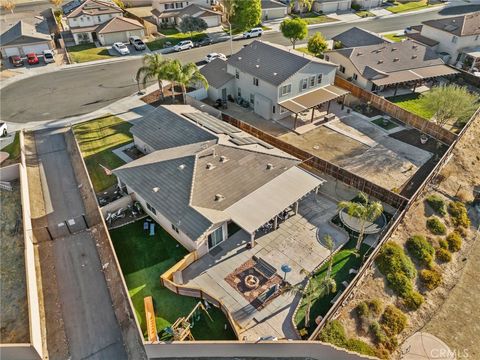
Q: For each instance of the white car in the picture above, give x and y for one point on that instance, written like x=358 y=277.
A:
x=121 y=48
x=3 y=129
x=253 y=33
x=48 y=56
x=212 y=56
x=183 y=45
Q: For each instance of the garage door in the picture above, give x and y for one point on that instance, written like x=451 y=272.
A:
x=211 y=20
x=270 y=14
x=263 y=106
x=11 y=51
x=329 y=7
x=115 y=37
x=37 y=49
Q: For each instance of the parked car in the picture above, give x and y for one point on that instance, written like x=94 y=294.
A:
x=121 y=48
x=48 y=56
x=408 y=30
x=32 y=59
x=3 y=129
x=183 y=45
x=253 y=33
x=204 y=42
x=137 y=43
x=16 y=60
x=212 y=56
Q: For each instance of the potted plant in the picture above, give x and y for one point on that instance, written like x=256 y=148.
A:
x=423 y=139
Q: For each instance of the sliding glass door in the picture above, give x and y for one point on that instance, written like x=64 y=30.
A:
x=215 y=238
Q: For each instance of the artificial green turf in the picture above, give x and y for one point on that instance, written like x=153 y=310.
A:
x=395 y=37
x=143 y=259
x=388 y=126
x=413 y=103
x=13 y=149
x=97 y=138
x=87 y=52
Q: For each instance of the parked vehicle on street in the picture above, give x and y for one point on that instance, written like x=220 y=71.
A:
x=183 y=45
x=32 y=59
x=3 y=129
x=137 y=43
x=121 y=48
x=253 y=33
x=203 y=42
x=48 y=56
x=16 y=60
x=212 y=56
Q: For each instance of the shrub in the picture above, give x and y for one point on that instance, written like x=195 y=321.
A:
x=391 y=343
x=443 y=243
x=362 y=309
x=413 y=300
x=400 y=284
x=436 y=226
x=375 y=306
x=382 y=352
x=437 y=204
x=443 y=255
x=334 y=333
x=459 y=214
x=430 y=278
x=360 y=346
x=392 y=259
x=393 y=320
x=337 y=44
x=420 y=249
x=356 y=7
x=379 y=336
x=454 y=241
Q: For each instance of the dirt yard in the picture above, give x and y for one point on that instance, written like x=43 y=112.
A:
x=449 y=311
x=13 y=290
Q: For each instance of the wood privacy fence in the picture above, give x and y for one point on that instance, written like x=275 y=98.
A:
x=309 y=160
x=397 y=112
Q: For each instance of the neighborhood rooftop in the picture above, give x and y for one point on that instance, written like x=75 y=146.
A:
x=356 y=36
x=94 y=8
x=271 y=62
x=464 y=25
x=272 y=4
x=23 y=33
x=216 y=73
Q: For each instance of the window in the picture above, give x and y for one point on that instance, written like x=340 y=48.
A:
x=255 y=81
x=151 y=208
x=304 y=84
x=312 y=81
x=327 y=58
x=168 y=6
x=355 y=76
x=237 y=74
x=476 y=37
x=252 y=99
x=342 y=69
x=178 y=5
x=319 y=79
x=215 y=237
x=239 y=92
x=285 y=90
x=454 y=39
x=273 y=109
x=175 y=228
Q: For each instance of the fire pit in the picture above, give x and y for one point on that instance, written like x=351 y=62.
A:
x=251 y=281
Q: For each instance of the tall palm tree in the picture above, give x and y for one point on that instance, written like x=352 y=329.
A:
x=329 y=244
x=364 y=210
x=153 y=68
x=185 y=75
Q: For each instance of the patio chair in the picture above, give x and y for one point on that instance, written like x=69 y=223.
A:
x=152 y=229
x=264 y=268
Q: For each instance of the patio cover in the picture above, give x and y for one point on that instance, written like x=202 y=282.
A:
x=272 y=198
x=313 y=98
x=415 y=74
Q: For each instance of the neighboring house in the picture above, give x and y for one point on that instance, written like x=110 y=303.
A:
x=331 y=6
x=375 y=67
x=201 y=174
x=272 y=9
x=70 y=6
x=119 y=29
x=454 y=36
x=368 y=4
x=171 y=12
x=23 y=38
x=270 y=77
x=355 y=37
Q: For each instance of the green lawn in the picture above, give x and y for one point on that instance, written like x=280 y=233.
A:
x=174 y=37
x=87 y=52
x=364 y=13
x=13 y=149
x=143 y=259
x=313 y=18
x=413 y=103
x=394 y=37
x=409 y=6
x=97 y=138
x=304 y=50
x=385 y=123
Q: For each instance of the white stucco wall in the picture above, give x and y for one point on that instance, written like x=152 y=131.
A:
x=274 y=13
x=86 y=20
x=142 y=146
x=79 y=40
x=350 y=70
x=368 y=4
x=332 y=6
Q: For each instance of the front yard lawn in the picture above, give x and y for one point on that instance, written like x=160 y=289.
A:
x=394 y=37
x=87 y=52
x=13 y=150
x=314 y=18
x=174 y=37
x=413 y=103
x=364 y=13
x=97 y=138
x=143 y=259
x=409 y=6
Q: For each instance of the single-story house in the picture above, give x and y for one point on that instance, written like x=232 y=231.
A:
x=204 y=174
x=23 y=38
x=368 y=4
x=331 y=6
x=273 y=9
x=355 y=37
x=174 y=14
x=119 y=29
x=218 y=78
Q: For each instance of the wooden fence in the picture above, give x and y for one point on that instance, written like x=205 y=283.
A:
x=395 y=111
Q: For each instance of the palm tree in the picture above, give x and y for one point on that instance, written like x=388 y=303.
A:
x=186 y=75
x=329 y=244
x=364 y=210
x=154 y=67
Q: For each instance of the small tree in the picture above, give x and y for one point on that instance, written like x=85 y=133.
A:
x=317 y=44
x=451 y=103
x=9 y=5
x=246 y=14
x=294 y=30
x=192 y=24
x=364 y=210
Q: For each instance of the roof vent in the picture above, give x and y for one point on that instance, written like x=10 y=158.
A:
x=380 y=62
x=396 y=59
x=223 y=159
x=181 y=167
x=210 y=166
x=414 y=46
x=414 y=56
x=359 y=53
x=257 y=66
x=269 y=166
x=239 y=58
x=275 y=74
x=219 y=197
x=156 y=189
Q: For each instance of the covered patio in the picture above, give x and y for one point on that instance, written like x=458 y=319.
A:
x=304 y=105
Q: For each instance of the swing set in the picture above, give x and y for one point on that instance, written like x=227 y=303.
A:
x=181 y=328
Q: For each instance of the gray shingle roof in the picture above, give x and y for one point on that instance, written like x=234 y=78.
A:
x=464 y=25
x=163 y=129
x=216 y=73
x=23 y=33
x=270 y=62
x=355 y=37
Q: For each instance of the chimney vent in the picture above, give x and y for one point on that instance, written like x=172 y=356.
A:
x=223 y=159
x=380 y=62
x=156 y=189
x=219 y=197
x=269 y=166
x=210 y=166
x=181 y=167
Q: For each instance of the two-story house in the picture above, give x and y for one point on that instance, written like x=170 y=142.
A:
x=277 y=81
x=170 y=12
x=102 y=21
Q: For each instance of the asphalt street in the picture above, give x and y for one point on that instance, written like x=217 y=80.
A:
x=80 y=90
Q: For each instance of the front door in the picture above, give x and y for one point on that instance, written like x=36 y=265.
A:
x=224 y=94
x=215 y=238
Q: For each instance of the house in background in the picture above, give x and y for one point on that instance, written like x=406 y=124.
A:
x=170 y=12
x=368 y=4
x=381 y=66
x=24 y=38
x=273 y=9
x=275 y=80
x=200 y=174
x=355 y=37
x=331 y=6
